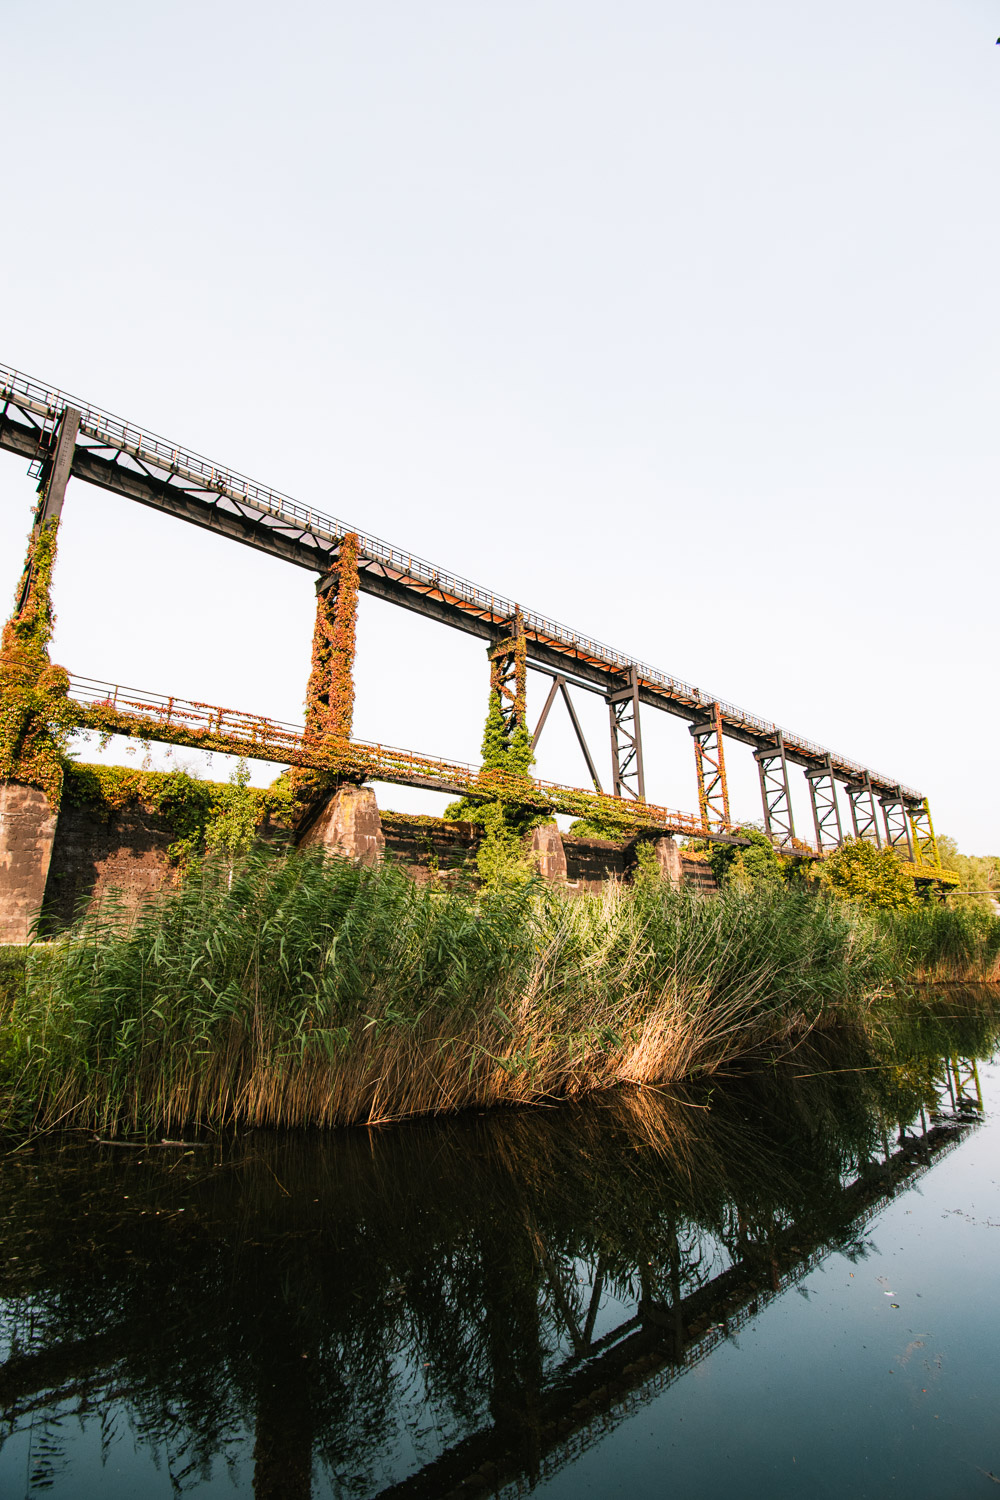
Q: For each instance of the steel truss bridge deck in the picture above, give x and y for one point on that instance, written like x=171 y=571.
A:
x=120 y=457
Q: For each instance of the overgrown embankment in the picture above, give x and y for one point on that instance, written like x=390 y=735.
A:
x=310 y=991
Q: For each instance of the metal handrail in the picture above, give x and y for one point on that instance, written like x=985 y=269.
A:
x=255 y=731
x=145 y=447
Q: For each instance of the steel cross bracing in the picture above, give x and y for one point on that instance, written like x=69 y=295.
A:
x=627 y=770
x=864 y=817
x=826 y=812
x=118 y=456
x=710 y=764
x=897 y=824
x=775 y=793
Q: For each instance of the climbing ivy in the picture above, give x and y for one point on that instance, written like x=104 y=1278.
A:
x=506 y=817
x=36 y=716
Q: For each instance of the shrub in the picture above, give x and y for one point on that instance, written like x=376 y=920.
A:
x=860 y=871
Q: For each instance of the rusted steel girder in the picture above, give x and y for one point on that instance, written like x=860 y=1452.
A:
x=826 y=812
x=775 y=794
x=710 y=765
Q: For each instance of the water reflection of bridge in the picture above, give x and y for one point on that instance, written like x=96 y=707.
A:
x=296 y=1291
x=612 y=1376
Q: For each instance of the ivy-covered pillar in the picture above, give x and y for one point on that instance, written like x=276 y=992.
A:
x=330 y=694
x=343 y=818
x=35 y=713
x=509 y=682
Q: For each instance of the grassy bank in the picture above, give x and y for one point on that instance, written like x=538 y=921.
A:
x=312 y=992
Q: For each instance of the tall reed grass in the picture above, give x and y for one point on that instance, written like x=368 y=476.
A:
x=312 y=992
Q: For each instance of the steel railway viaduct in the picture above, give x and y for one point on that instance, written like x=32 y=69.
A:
x=62 y=437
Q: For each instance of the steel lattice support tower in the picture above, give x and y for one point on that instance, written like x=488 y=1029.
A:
x=509 y=675
x=774 y=791
x=330 y=694
x=925 y=848
x=710 y=765
x=628 y=776
x=897 y=824
x=864 y=815
x=826 y=813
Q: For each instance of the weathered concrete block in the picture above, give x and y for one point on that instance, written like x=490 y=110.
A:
x=670 y=861
x=349 y=824
x=27 y=833
x=549 y=853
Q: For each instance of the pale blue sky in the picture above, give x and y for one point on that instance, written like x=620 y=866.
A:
x=677 y=322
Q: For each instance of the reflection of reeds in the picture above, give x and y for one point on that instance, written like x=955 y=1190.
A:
x=313 y=992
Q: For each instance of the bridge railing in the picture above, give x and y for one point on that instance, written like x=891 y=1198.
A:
x=112 y=708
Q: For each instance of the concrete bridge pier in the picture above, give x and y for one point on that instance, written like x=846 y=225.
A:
x=548 y=853
x=27 y=833
x=348 y=823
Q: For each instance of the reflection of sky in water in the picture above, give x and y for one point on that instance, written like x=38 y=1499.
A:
x=414 y=1292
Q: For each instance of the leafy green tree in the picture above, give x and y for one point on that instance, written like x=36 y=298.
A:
x=232 y=831
x=752 y=867
x=860 y=871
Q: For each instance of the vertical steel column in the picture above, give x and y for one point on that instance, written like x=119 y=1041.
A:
x=330 y=694
x=710 y=764
x=51 y=492
x=626 y=740
x=509 y=675
x=897 y=824
x=826 y=813
x=774 y=791
x=864 y=817
x=925 y=846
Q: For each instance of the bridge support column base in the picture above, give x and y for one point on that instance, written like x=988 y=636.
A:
x=27 y=833
x=348 y=824
x=668 y=857
x=549 y=853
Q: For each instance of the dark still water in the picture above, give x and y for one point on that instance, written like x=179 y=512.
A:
x=787 y=1283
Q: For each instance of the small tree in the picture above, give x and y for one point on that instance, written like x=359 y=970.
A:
x=232 y=831
x=750 y=867
x=860 y=871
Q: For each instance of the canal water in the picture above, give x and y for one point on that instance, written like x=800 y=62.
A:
x=785 y=1282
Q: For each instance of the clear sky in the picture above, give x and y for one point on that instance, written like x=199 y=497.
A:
x=676 y=322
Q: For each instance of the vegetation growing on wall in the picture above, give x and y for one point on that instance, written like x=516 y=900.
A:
x=201 y=814
x=36 y=716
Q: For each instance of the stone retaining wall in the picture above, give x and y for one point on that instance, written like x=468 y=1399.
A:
x=93 y=853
